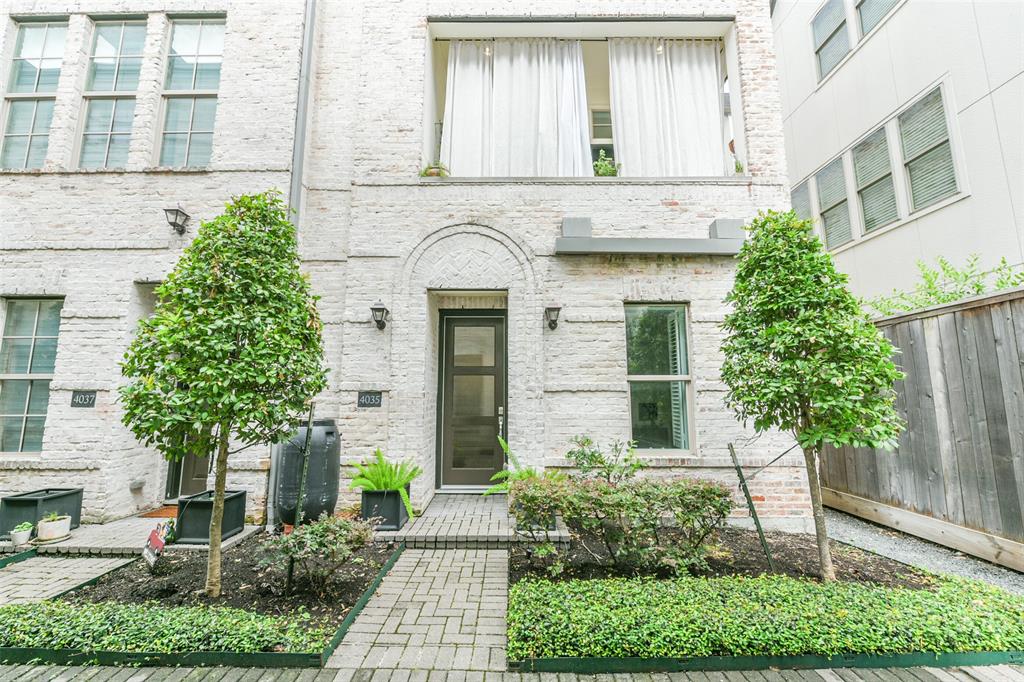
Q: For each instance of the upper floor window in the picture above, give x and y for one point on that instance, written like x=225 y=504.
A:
x=110 y=87
x=831 y=41
x=190 y=92
x=28 y=351
x=871 y=12
x=927 y=154
x=35 y=70
x=658 y=371
x=800 y=198
x=835 y=212
x=875 y=188
x=549 y=105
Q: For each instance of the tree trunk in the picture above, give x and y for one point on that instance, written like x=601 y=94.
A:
x=820 y=532
x=217 y=516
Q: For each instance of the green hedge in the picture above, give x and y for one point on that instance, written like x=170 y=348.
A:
x=110 y=626
x=767 y=615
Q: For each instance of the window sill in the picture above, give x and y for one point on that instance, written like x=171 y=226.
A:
x=949 y=201
x=685 y=180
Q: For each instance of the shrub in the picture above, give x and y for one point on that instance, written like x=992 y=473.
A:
x=636 y=524
x=767 y=615
x=319 y=548
x=590 y=461
x=110 y=626
x=503 y=479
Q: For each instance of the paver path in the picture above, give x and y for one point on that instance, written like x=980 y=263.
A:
x=40 y=578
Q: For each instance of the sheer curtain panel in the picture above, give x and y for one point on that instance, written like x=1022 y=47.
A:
x=516 y=107
x=666 y=98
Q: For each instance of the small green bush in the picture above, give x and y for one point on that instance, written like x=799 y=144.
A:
x=109 y=626
x=319 y=548
x=619 y=464
x=767 y=615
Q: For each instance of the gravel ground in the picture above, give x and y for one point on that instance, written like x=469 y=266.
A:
x=916 y=552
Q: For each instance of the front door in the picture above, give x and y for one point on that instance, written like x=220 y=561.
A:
x=187 y=476
x=472 y=393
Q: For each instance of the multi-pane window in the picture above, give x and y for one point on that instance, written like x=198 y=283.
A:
x=190 y=92
x=28 y=350
x=601 y=133
x=875 y=189
x=873 y=11
x=659 y=375
x=835 y=212
x=927 y=155
x=831 y=41
x=35 y=70
x=800 y=198
x=110 y=87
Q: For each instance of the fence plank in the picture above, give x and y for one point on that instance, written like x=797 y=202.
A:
x=975 y=403
x=894 y=466
x=928 y=459
x=914 y=477
x=1017 y=331
x=990 y=348
x=949 y=471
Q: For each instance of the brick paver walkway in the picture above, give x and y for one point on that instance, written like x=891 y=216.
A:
x=40 y=578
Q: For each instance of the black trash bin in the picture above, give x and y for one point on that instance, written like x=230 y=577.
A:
x=321 y=493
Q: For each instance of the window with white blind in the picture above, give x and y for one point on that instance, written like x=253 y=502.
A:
x=28 y=350
x=835 y=211
x=873 y=173
x=927 y=155
x=871 y=12
x=190 y=92
x=658 y=371
x=110 y=89
x=800 y=198
x=35 y=70
x=831 y=42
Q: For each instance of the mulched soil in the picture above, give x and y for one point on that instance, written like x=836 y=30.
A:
x=180 y=576
x=738 y=552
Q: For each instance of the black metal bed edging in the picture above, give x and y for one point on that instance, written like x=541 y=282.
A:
x=726 y=663
x=19 y=556
x=262 y=659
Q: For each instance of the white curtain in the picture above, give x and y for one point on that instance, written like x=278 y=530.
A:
x=516 y=107
x=667 y=117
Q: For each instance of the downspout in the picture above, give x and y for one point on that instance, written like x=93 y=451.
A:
x=295 y=197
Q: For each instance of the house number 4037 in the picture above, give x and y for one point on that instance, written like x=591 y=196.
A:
x=83 y=399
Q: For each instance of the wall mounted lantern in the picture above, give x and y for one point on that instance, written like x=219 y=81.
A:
x=551 y=316
x=177 y=219
x=380 y=314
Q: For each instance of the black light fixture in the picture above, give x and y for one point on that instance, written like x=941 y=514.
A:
x=380 y=314
x=177 y=219
x=551 y=315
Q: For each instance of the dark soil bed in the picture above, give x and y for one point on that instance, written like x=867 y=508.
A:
x=181 y=575
x=738 y=552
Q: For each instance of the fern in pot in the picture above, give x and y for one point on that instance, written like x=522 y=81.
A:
x=385 y=490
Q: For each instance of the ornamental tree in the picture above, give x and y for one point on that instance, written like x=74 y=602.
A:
x=801 y=356
x=233 y=354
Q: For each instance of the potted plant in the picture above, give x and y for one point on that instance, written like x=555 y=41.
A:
x=21 y=533
x=53 y=527
x=434 y=170
x=385 y=491
x=605 y=166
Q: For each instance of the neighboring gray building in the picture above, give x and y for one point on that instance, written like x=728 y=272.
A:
x=904 y=126
x=117 y=109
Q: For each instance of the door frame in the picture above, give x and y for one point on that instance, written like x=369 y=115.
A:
x=443 y=314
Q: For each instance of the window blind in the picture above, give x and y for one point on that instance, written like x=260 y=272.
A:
x=800 y=198
x=873 y=11
x=873 y=174
x=835 y=213
x=926 y=152
x=831 y=43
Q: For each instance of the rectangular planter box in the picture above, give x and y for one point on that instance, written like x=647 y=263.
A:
x=194 y=511
x=385 y=505
x=32 y=506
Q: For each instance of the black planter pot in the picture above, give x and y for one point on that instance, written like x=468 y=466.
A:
x=32 y=506
x=385 y=505
x=194 y=512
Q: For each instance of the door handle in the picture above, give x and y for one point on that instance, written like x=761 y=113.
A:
x=501 y=420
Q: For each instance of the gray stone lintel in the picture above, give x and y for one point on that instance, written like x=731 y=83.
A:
x=647 y=246
x=727 y=228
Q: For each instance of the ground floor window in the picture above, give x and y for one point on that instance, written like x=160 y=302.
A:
x=658 y=370
x=28 y=350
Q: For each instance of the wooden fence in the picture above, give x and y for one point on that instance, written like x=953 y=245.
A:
x=957 y=477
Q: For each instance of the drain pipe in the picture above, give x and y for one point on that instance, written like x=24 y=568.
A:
x=295 y=199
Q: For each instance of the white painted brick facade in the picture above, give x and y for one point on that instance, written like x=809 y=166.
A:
x=371 y=229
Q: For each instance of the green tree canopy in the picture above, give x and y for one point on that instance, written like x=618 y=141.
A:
x=234 y=348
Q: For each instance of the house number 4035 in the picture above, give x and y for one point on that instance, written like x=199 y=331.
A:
x=83 y=399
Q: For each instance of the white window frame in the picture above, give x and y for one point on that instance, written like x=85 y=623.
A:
x=28 y=375
x=851 y=40
x=88 y=96
x=166 y=94
x=10 y=97
x=901 y=181
x=855 y=34
x=685 y=379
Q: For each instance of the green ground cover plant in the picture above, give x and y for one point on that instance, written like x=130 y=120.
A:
x=110 y=626
x=766 y=615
